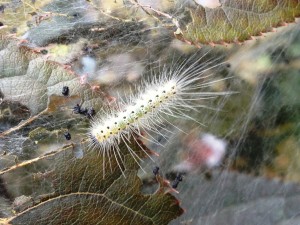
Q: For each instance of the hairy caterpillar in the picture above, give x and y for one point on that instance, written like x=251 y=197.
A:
x=173 y=93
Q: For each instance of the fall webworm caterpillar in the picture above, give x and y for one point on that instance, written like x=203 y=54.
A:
x=173 y=93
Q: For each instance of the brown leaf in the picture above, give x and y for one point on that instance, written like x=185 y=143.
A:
x=83 y=196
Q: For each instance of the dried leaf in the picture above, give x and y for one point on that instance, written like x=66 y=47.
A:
x=83 y=196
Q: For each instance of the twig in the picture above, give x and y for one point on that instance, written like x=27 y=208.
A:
x=107 y=14
x=158 y=12
x=38 y=9
x=25 y=163
x=24 y=123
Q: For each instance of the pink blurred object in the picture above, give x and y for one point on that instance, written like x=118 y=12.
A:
x=83 y=78
x=206 y=152
x=209 y=3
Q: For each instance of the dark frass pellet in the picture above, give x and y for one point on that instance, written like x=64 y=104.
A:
x=65 y=91
x=44 y=52
x=177 y=180
x=77 y=109
x=87 y=112
x=179 y=177
x=175 y=184
x=84 y=111
x=90 y=113
x=156 y=170
x=67 y=136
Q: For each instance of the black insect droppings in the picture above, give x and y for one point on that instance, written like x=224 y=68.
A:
x=177 y=180
x=90 y=113
x=179 y=177
x=84 y=111
x=44 y=51
x=87 y=112
x=67 y=136
x=65 y=90
x=77 y=109
x=156 y=170
x=75 y=15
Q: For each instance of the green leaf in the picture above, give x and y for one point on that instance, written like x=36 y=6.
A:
x=234 y=21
